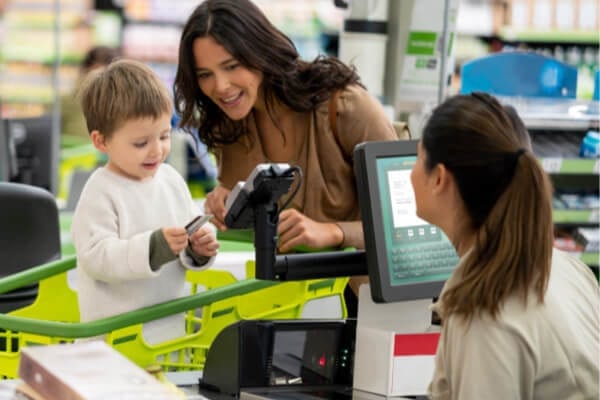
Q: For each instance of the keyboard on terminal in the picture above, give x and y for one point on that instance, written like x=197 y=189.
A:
x=424 y=259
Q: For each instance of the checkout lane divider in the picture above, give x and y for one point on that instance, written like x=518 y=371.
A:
x=218 y=298
x=106 y=325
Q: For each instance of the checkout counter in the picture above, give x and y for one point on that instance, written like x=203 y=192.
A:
x=388 y=351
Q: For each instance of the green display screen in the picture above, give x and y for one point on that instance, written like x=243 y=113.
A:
x=416 y=251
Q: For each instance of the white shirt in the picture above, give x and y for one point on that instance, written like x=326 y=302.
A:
x=111 y=229
x=538 y=351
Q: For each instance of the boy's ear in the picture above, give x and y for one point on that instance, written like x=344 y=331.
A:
x=98 y=140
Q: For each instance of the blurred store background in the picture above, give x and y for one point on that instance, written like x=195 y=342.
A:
x=42 y=43
x=34 y=32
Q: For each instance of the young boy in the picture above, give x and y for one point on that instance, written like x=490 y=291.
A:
x=128 y=227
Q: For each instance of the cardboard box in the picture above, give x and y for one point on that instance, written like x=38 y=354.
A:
x=88 y=371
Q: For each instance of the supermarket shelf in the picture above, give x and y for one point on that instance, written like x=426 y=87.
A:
x=156 y=23
x=555 y=114
x=35 y=19
x=27 y=95
x=559 y=165
x=548 y=36
x=557 y=123
x=577 y=116
x=34 y=32
x=578 y=217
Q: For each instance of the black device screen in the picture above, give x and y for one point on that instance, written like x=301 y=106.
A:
x=304 y=356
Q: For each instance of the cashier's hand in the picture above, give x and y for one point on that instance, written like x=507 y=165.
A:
x=296 y=229
x=215 y=205
x=176 y=238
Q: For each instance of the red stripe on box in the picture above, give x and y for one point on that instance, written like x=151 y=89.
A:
x=416 y=344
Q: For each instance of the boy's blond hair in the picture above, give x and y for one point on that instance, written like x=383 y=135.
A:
x=125 y=90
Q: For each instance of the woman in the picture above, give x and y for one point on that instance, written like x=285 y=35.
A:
x=242 y=83
x=520 y=319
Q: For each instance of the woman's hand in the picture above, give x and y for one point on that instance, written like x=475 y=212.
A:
x=297 y=229
x=204 y=242
x=215 y=205
x=176 y=238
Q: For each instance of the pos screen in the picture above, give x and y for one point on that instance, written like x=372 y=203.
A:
x=407 y=258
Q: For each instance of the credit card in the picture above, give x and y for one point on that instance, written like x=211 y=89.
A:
x=196 y=223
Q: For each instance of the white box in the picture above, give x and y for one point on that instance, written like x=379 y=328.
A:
x=395 y=347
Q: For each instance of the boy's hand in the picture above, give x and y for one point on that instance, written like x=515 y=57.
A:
x=176 y=238
x=204 y=242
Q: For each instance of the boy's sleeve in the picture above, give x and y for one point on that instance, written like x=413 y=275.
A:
x=160 y=252
x=197 y=262
x=198 y=259
x=193 y=261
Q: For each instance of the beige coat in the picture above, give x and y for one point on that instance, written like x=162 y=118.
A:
x=328 y=193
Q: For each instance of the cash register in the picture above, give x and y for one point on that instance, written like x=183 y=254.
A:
x=407 y=261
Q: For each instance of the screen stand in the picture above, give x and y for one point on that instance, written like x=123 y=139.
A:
x=395 y=346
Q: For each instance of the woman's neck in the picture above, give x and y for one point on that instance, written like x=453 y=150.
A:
x=276 y=131
x=463 y=243
x=457 y=227
x=278 y=120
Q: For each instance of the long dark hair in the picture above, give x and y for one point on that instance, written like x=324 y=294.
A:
x=508 y=197
x=244 y=31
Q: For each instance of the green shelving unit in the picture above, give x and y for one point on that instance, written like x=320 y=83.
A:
x=576 y=216
x=590 y=258
x=558 y=165
x=548 y=36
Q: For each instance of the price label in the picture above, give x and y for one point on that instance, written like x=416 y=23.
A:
x=595 y=216
x=552 y=164
x=597 y=167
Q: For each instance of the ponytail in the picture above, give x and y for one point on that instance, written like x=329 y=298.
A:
x=513 y=247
